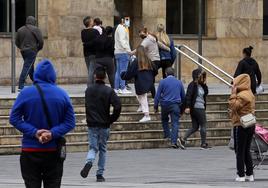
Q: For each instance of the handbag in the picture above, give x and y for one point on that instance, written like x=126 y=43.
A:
x=248 y=120
x=61 y=142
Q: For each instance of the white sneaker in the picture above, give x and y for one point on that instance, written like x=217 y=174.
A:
x=250 y=178
x=125 y=91
x=145 y=119
x=116 y=91
x=240 y=179
x=139 y=109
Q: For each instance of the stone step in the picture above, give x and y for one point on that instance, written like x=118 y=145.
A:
x=211 y=106
x=126 y=144
x=136 y=126
x=134 y=116
x=131 y=99
x=120 y=135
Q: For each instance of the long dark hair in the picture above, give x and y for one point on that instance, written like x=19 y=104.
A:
x=143 y=61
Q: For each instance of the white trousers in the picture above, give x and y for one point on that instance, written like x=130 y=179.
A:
x=143 y=103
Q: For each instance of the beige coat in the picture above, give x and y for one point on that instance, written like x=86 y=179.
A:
x=243 y=102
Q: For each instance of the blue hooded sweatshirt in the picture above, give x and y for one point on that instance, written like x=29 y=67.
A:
x=28 y=116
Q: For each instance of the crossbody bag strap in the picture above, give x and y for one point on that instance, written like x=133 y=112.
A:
x=44 y=104
x=34 y=35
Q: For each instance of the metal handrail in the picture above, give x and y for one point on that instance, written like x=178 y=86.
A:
x=207 y=61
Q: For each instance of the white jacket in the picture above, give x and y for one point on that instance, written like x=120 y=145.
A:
x=121 y=40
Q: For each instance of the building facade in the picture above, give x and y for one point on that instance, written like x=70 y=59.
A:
x=228 y=27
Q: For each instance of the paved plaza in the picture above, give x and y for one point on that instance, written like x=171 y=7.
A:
x=157 y=168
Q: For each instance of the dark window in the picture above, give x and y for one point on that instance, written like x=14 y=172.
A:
x=265 y=17
x=182 y=16
x=24 y=8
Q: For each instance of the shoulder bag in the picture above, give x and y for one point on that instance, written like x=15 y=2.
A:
x=61 y=142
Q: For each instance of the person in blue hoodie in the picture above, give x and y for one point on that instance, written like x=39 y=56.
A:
x=170 y=94
x=39 y=160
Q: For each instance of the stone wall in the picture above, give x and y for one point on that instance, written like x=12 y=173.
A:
x=231 y=26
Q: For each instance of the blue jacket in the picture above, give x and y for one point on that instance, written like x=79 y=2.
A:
x=170 y=91
x=27 y=114
x=166 y=55
x=144 y=79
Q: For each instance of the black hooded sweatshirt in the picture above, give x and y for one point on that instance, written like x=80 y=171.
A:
x=29 y=37
x=249 y=66
x=192 y=91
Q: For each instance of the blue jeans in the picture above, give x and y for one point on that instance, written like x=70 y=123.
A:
x=174 y=111
x=121 y=66
x=29 y=57
x=98 y=138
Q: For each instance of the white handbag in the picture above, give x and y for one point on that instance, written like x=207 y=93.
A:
x=248 y=120
x=259 y=89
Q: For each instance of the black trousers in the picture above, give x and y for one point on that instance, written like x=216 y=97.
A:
x=38 y=167
x=108 y=64
x=199 y=119
x=164 y=64
x=156 y=66
x=242 y=142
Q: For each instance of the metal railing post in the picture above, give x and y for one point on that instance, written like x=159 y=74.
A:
x=13 y=48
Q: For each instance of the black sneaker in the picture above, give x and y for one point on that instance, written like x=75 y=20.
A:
x=174 y=146
x=180 y=145
x=100 y=178
x=205 y=146
x=84 y=172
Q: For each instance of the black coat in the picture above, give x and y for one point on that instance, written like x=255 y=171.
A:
x=99 y=99
x=191 y=94
x=249 y=66
x=144 y=79
x=104 y=46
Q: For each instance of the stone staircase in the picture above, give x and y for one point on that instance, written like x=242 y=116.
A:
x=128 y=133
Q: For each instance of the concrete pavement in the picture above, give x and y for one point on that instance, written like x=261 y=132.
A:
x=156 y=168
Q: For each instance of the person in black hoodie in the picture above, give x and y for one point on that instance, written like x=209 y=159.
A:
x=99 y=98
x=195 y=104
x=30 y=41
x=249 y=66
x=104 y=46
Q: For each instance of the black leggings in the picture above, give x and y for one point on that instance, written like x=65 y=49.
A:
x=242 y=142
x=164 y=64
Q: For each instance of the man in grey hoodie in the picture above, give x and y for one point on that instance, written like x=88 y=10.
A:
x=30 y=41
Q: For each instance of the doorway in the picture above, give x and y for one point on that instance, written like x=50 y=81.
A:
x=132 y=9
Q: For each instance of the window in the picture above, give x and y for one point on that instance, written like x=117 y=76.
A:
x=24 y=8
x=182 y=16
x=265 y=17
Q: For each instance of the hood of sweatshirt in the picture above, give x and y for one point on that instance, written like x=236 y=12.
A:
x=45 y=72
x=196 y=73
x=151 y=37
x=30 y=20
x=242 y=82
x=250 y=60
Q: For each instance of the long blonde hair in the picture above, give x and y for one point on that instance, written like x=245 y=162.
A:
x=143 y=61
x=162 y=35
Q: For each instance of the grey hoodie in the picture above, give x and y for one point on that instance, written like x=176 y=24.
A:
x=29 y=37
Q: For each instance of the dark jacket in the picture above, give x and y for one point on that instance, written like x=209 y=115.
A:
x=166 y=55
x=29 y=37
x=88 y=37
x=192 y=91
x=143 y=79
x=249 y=66
x=27 y=114
x=99 y=99
x=104 y=46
